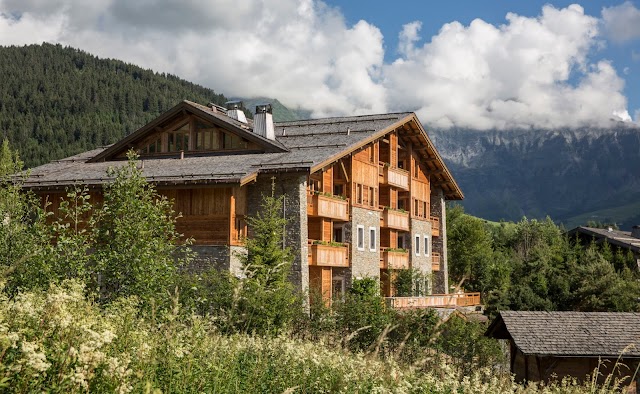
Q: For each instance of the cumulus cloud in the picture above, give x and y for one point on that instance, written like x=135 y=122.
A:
x=526 y=72
x=622 y=22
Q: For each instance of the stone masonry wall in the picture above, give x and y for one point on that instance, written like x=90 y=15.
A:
x=364 y=263
x=421 y=261
x=439 y=244
x=293 y=185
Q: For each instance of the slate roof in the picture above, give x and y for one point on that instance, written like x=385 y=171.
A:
x=614 y=237
x=570 y=334
x=299 y=145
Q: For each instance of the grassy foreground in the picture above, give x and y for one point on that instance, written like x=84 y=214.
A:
x=60 y=341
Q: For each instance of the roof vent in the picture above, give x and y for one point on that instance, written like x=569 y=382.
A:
x=263 y=121
x=234 y=111
x=635 y=231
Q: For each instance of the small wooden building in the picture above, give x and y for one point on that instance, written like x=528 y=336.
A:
x=553 y=345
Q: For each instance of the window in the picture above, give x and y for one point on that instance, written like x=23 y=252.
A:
x=358 y=193
x=417 y=245
x=152 y=147
x=360 y=232
x=373 y=246
x=231 y=141
x=426 y=245
x=207 y=137
x=372 y=197
x=179 y=139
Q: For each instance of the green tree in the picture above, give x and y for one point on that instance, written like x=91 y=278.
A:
x=267 y=300
x=137 y=250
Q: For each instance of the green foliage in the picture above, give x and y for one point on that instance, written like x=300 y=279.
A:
x=57 y=101
x=136 y=247
x=465 y=342
x=532 y=265
x=410 y=283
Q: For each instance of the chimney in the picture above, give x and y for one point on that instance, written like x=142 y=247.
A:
x=263 y=121
x=234 y=111
x=635 y=231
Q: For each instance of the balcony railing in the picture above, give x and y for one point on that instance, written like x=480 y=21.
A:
x=435 y=301
x=333 y=207
x=395 y=219
x=394 y=260
x=435 y=261
x=435 y=226
x=328 y=255
x=394 y=177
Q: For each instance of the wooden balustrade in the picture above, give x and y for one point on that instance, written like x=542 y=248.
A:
x=395 y=219
x=435 y=301
x=395 y=177
x=394 y=260
x=320 y=205
x=435 y=226
x=435 y=261
x=328 y=255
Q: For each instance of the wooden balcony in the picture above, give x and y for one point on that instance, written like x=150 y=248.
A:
x=320 y=205
x=435 y=226
x=394 y=177
x=435 y=301
x=435 y=261
x=395 y=219
x=394 y=260
x=328 y=255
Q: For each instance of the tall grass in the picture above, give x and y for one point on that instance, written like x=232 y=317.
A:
x=61 y=341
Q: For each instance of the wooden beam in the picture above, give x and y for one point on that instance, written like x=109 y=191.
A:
x=344 y=171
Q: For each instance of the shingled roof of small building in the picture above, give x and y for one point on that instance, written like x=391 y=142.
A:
x=620 y=238
x=307 y=145
x=570 y=334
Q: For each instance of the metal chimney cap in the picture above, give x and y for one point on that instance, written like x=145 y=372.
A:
x=234 y=104
x=264 y=108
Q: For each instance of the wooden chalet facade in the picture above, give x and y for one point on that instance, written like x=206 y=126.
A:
x=552 y=345
x=364 y=195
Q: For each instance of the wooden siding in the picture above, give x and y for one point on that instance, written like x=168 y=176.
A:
x=394 y=177
x=435 y=261
x=395 y=219
x=328 y=256
x=329 y=207
x=435 y=226
x=435 y=300
x=394 y=260
x=365 y=173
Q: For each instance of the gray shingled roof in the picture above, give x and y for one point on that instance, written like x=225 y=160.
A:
x=305 y=145
x=614 y=237
x=308 y=142
x=570 y=334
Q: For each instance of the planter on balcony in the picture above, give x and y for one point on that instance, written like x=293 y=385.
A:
x=329 y=255
x=395 y=177
x=395 y=219
x=321 y=205
x=394 y=260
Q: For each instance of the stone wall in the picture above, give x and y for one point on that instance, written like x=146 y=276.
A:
x=364 y=263
x=293 y=185
x=439 y=244
x=218 y=257
x=421 y=261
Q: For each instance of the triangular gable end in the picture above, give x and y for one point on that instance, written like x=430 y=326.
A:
x=410 y=127
x=190 y=128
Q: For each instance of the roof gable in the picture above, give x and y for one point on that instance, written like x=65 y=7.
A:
x=172 y=118
x=570 y=334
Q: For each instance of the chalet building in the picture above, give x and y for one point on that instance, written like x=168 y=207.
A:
x=618 y=239
x=553 y=345
x=364 y=195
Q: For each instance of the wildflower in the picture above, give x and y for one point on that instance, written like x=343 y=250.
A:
x=34 y=359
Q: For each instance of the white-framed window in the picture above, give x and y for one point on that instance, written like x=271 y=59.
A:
x=416 y=247
x=372 y=239
x=427 y=246
x=360 y=236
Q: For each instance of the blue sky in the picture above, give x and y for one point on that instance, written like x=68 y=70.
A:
x=625 y=56
x=475 y=64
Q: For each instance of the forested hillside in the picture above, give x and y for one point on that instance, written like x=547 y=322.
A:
x=57 y=101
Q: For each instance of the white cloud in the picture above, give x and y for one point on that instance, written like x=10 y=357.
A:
x=622 y=22
x=529 y=71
